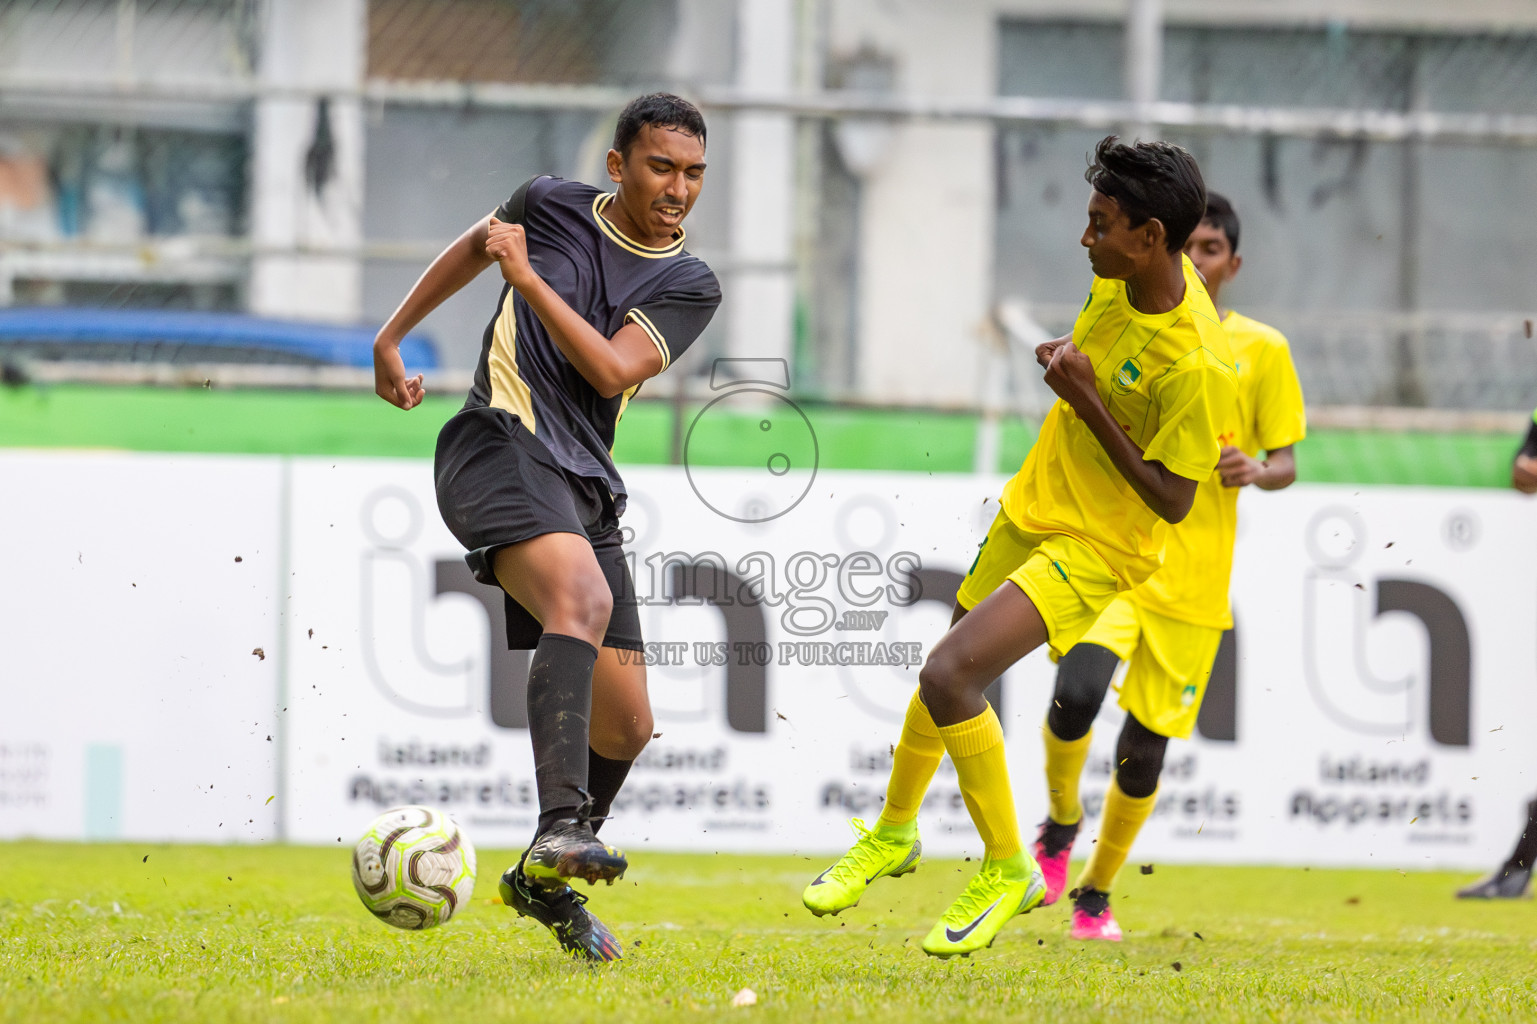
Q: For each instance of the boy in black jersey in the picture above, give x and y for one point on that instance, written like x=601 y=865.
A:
x=1513 y=879
x=600 y=296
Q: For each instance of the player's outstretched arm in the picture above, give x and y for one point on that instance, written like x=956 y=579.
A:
x=1277 y=471
x=610 y=365
x=455 y=267
x=1070 y=374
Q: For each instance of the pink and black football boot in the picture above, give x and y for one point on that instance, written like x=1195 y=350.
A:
x=1092 y=917
x=1052 y=847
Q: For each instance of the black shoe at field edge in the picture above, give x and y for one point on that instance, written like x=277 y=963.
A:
x=1507 y=883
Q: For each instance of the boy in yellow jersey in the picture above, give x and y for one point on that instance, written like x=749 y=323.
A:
x=1143 y=383
x=1167 y=629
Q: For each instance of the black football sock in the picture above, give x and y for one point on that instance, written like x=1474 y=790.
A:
x=604 y=777
x=559 y=707
x=1526 y=849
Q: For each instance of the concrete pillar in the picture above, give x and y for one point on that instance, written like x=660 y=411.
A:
x=762 y=287
x=319 y=44
x=1144 y=61
x=926 y=232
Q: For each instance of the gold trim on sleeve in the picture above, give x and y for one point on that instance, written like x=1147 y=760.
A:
x=635 y=316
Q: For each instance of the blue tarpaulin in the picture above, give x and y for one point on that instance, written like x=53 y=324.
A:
x=52 y=332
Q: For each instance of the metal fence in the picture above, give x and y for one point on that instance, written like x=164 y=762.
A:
x=1385 y=176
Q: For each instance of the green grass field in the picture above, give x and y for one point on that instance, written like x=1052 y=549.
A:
x=95 y=932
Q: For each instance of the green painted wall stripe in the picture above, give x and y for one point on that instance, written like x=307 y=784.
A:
x=247 y=422
x=331 y=423
x=1428 y=459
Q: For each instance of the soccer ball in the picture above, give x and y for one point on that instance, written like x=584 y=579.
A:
x=413 y=867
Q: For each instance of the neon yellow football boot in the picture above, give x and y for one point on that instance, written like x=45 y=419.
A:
x=995 y=894
x=881 y=851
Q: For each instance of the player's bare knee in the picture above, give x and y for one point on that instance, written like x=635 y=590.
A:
x=931 y=682
x=597 y=606
x=582 y=610
x=940 y=680
x=634 y=734
x=622 y=737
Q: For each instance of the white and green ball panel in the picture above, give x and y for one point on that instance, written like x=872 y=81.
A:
x=414 y=867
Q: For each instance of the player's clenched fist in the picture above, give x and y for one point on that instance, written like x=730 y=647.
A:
x=1070 y=374
x=507 y=244
x=390 y=380
x=1046 y=349
x=1237 y=468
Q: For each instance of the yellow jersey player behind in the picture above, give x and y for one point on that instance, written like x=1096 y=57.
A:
x=1143 y=384
x=1168 y=629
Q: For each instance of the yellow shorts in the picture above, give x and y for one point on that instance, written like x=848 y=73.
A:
x=1168 y=663
x=1065 y=579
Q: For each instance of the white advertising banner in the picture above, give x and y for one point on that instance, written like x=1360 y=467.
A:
x=1375 y=704
x=136 y=589
x=773 y=717
x=1386 y=655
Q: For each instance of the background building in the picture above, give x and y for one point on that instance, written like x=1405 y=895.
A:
x=894 y=194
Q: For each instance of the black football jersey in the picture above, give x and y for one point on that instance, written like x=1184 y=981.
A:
x=608 y=279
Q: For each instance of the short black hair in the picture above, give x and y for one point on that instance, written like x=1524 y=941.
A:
x=1151 y=179
x=662 y=109
x=1220 y=215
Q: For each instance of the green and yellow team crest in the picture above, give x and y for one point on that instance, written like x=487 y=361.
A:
x=1127 y=375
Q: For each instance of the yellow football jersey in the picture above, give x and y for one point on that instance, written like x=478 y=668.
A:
x=1168 y=380
x=1192 y=586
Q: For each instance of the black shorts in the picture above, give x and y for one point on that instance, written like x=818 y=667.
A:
x=498 y=484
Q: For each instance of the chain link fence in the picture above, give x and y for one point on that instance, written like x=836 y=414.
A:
x=1385 y=177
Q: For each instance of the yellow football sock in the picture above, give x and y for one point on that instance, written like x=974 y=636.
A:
x=1118 y=827
x=976 y=749
x=913 y=764
x=1064 y=767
